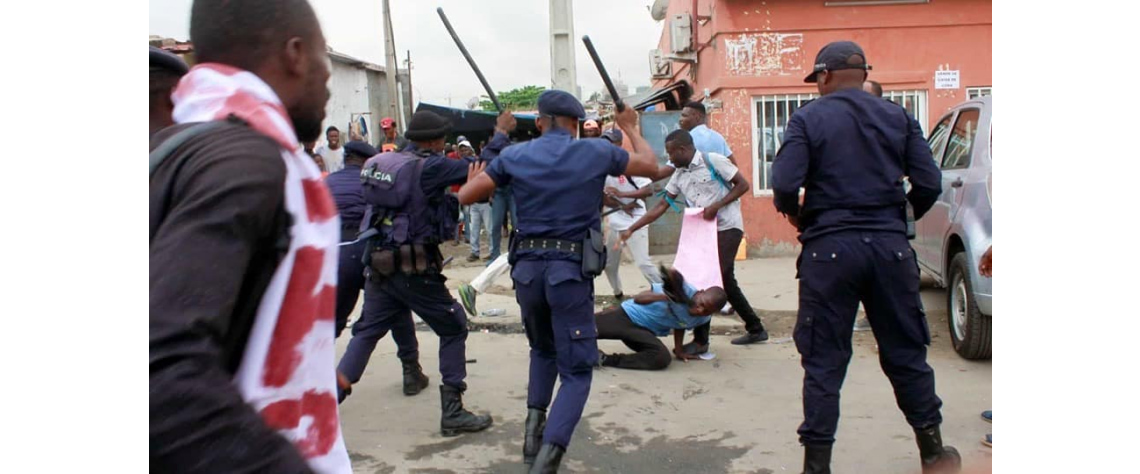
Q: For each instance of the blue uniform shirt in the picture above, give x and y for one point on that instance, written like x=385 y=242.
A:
x=849 y=151
x=557 y=184
x=494 y=147
x=348 y=193
x=663 y=316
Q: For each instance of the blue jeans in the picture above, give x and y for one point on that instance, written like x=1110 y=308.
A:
x=463 y=233
x=480 y=214
x=499 y=205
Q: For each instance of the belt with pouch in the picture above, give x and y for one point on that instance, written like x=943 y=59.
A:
x=417 y=259
x=550 y=244
x=592 y=250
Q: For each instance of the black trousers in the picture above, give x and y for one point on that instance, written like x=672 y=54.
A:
x=728 y=242
x=837 y=272
x=650 y=353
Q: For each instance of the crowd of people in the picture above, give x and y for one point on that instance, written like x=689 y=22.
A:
x=260 y=245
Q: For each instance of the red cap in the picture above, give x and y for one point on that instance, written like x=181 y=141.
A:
x=387 y=122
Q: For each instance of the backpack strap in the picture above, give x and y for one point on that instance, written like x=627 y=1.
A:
x=173 y=143
x=712 y=171
x=672 y=202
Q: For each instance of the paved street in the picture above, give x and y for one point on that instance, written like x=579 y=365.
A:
x=738 y=413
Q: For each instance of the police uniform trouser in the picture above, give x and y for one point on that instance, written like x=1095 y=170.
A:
x=388 y=301
x=728 y=243
x=557 y=305
x=837 y=272
x=350 y=282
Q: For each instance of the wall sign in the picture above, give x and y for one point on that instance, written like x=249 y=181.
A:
x=946 y=80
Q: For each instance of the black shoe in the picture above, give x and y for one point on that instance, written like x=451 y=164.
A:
x=532 y=439
x=751 y=338
x=472 y=258
x=414 y=379
x=817 y=459
x=695 y=348
x=936 y=458
x=455 y=418
x=602 y=357
x=548 y=460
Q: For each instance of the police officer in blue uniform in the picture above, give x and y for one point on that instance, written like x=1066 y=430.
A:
x=348 y=193
x=411 y=215
x=556 y=182
x=850 y=151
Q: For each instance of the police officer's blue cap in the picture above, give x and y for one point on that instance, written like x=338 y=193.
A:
x=560 y=104
x=614 y=136
x=359 y=148
x=838 y=55
x=162 y=59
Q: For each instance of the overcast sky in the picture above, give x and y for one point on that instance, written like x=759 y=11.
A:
x=509 y=39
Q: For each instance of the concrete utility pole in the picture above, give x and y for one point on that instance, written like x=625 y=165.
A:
x=391 y=70
x=563 y=71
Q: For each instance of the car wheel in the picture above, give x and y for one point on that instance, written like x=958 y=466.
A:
x=970 y=330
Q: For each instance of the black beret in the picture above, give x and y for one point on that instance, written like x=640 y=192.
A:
x=168 y=61
x=560 y=104
x=359 y=148
x=614 y=136
x=425 y=126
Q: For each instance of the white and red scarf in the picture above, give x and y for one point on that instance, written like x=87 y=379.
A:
x=287 y=372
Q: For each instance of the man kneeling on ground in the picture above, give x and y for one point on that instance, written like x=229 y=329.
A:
x=670 y=306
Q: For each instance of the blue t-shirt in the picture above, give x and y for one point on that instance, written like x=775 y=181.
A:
x=707 y=140
x=557 y=183
x=663 y=317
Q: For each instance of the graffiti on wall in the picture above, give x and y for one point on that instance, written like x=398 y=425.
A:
x=765 y=54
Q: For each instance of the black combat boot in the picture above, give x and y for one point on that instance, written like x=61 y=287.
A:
x=414 y=378
x=548 y=460
x=817 y=459
x=936 y=459
x=532 y=440
x=456 y=419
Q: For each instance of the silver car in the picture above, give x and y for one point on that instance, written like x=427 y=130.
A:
x=955 y=233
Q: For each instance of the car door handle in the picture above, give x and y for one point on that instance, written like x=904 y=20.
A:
x=957 y=183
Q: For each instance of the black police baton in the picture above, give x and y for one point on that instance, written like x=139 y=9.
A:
x=466 y=55
x=618 y=104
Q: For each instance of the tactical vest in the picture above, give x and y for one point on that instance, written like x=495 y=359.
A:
x=399 y=207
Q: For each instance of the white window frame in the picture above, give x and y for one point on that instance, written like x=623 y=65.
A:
x=759 y=124
x=921 y=104
x=975 y=92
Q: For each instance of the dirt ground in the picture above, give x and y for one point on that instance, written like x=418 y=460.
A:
x=737 y=413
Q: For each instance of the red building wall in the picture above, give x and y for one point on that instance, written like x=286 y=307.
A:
x=754 y=48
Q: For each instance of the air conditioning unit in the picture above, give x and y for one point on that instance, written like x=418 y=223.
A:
x=659 y=66
x=681 y=33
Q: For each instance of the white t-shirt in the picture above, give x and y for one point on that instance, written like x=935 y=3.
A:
x=334 y=159
x=701 y=189
x=619 y=220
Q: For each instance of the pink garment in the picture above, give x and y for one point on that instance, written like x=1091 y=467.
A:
x=697 y=255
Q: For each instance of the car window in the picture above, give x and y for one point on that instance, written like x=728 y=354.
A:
x=937 y=139
x=961 y=140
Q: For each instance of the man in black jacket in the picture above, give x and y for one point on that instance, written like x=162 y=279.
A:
x=219 y=230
